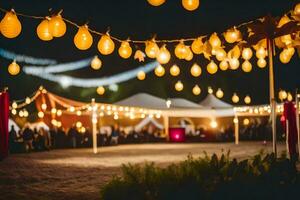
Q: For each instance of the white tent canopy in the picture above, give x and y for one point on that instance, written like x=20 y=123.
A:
x=147 y=121
x=183 y=103
x=39 y=125
x=213 y=102
x=13 y=123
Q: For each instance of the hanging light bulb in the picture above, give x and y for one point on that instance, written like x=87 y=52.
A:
x=21 y=113
x=197 y=46
x=10 y=25
x=190 y=5
x=196 y=70
x=178 y=86
x=14 y=68
x=14 y=105
x=214 y=41
x=289 y=97
x=14 y=111
x=297 y=10
x=139 y=55
x=163 y=56
x=159 y=71
x=181 y=51
x=210 y=90
x=100 y=90
x=151 y=49
x=220 y=54
x=43 y=30
x=156 y=2
x=174 y=70
x=261 y=52
x=261 y=62
x=57 y=26
x=247 y=99
x=27 y=100
x=247 y=53
x=212 y=68
x=83 y=40
x=106 y=45
x=234 y=63
x=282 y=95
x=44 y=106
x=58 y=113
x=246 y=122
x=246 y=66
x=141 y=75
x=125 y=50
x=196 y=90
x=219 y=93
x=284 y=57
x=223 y=65
x=232 y=35
x=190 y=54
x=235 y=98
x=53 y=110
x=96 y=63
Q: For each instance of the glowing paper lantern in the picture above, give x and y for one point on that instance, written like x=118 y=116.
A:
x=196 y=70
x=246 y=121
x=197 y=46
x=247 y=53
x=10 y=25
x=174 y=70
x=57 y=26
x=235 y=98
x=219 y=93
x=125 y=50
x=286 y=55
x=261 y=62
x=13 y=68
x=14 y=105
x=261 y=52
x=210 y=90
x=234 y=63
x=289 y=97
x=105 y=45
x=232 y=35
x=159 y=71
x=151 y=49
x=247 y=99
x=100 y=90
x=14 y=111
x=246 y=66
x=297 y=9
x=44 y=106
x=223 y=65
x=213 y=124
x=212 y=68
x=235 y=120
x=190 y=5
x=163 y=56
x=214 y=41
x=96 y=63
x=282 y=95
x=156 y=2
x=43 y=30
x=178 y=86
x=83 y=40
x=196 y=90
x=27 y=100
x=190 y=54
x=53 y=110
x=58 y=112
x=141 y=75
x=220 y=54
x=181 y=51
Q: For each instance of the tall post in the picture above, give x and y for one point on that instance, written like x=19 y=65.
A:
x=166 y=125
x=271 y=90
x=297 y=119
x=94 y=124
x=236 y=129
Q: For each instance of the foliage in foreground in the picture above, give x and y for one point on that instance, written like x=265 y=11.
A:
x=262 y=177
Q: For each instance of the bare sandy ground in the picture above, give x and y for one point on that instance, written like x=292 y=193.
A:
x=78 y=174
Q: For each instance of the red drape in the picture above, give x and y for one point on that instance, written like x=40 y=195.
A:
x=4 y=115
x=290 y=115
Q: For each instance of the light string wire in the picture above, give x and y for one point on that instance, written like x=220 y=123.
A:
x=130 y=40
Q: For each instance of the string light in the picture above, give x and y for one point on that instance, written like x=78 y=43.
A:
x=159 y=71
x=190 y=5
x=174 y=70
x=125 y=50
x=235 y=98
x=196 y=90
x=219 y=93
x=100 y=90
x=223 y=65
x=141 y=75
x=14 y=69
x=247 y=99
x=43 y=30
x=163 y=56
x=156 y=2
x=178 y=86
x=261 y=62
x=96 y=63
x=246 y=66
x=57 y=26
x=10 y=25
x=105 y=45
x=212 y=68
x=83 y=40
x=196 y=70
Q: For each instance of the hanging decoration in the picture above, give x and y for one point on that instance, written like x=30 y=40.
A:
x=159 y=71
x=247 y=99
x=13 y=68
x=156 y=2
x=190 y=5
x=196 y=70
x=57 y=25
x=106 y=46
x=219 y=93
x=96 y=63
x=83 y=40
x=235 y=98
x=141 y=75
x=178 y=86
x=125 y=50
x=163 y=56
x=43 y=30
x=174 y=70
x=10 y=25
x=196 y=90
x=100 y=90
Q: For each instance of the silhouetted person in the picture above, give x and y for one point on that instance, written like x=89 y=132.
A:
x=28 y=137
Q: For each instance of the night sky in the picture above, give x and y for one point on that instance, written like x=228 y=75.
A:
x=138 y=20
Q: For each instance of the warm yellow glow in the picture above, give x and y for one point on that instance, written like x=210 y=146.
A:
x=235 y=120
x=261 y=52
x=10 y=25
x=59 y=113
x=151 y=49
x=57 y=26
x=197 y=46
x=156 y=2
x=223 y=65
x=13 y=68
x=159 y=71
x=286 y=39
x=72 y=109
x=213 y=124
x=247 y=99
x=100 y=90
x=190 y=54
x=178 y=86
x=181 y=51
x=196 y=70
x=53 y=110
x=234 y=63
x=283 y=20
x=105 y=45
x=78 y=113
x=214 y=41
x=174 y=70
x=286 y=55
x=297 y=9
x=289 y=97
x=43 y=30
x=116 y=117
x=96 y=63
x=246 y=66
x=14 y=105
x=246 y=122
x=141 y=75
x=220 y=54
x=83 y=40
x=282 y=95
x=163 y=56
x=41 y=114
x=210 y=90
x=25 y=113
x=14 y=111
x=232 y=35
x=190 y=5
x=125 y=50
x=212 y=68
x=247 y=53
x=261 y=62
x=21 y=114
x=235 y=98
x=78 y=124
x=196 y=90
x=27 y=100
x=219 y=93
x=44 y=106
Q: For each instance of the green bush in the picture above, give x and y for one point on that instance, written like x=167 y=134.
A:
x=262 y=177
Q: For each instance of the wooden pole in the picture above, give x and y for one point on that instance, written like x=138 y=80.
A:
x=166 y=125
x=272 y=96
x=94 y=124
x=236 y=129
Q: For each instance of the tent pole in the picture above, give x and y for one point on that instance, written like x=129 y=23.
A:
x=271 y=90
x=166 y=125
x=236 y=130
x=94 y=124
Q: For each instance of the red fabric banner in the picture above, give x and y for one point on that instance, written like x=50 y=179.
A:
x=4 y=115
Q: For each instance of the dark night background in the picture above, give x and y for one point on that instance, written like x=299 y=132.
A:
x=138 y=20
